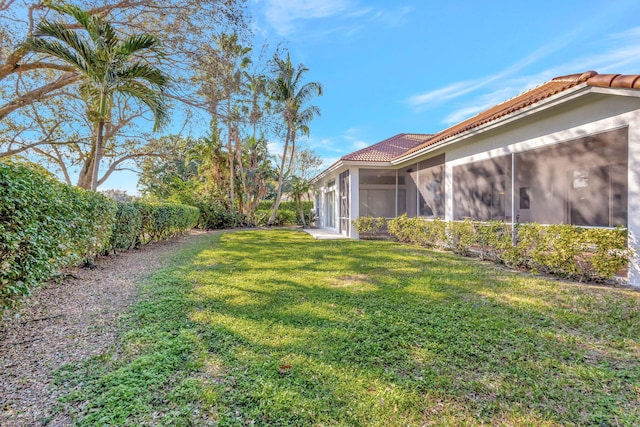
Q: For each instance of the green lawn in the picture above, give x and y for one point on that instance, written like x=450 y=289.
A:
x=274 y=328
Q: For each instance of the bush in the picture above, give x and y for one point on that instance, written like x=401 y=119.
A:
x=215 y=216
x=266 y=205
x=139 y=223
x=287 y=213
x=127 y=227
x=283 y=217
x=165 y=220
x=368 y=226
x=45 y=225
x=562 y=250
x=419 y=231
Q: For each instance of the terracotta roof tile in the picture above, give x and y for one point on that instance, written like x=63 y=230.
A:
x=388 y=149
x=533 y=96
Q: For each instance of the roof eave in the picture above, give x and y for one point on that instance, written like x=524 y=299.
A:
x=340 y=163
x=542 y=105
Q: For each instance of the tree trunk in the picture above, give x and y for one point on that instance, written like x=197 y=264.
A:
x=97 y=155
x=86 y=173
x=276 y=203
x=243 y=179
x=301 y=210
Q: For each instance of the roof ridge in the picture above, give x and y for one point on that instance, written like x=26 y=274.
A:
x=575 y=78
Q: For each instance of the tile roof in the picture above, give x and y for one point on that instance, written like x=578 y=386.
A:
x=388 y=149
x=537 y=94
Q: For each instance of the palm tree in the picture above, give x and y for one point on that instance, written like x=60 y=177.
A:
x=291 y=93
x=108 y=67
x=298 y=188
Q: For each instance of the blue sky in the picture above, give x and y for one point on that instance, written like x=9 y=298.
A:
x=389 y=67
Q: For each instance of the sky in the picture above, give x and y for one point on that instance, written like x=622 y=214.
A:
x=390 y=67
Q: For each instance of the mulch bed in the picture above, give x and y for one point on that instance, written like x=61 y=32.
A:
x=68 y=322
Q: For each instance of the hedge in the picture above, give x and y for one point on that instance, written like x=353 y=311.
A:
x=563 y=250
x=46 y=225
x=368 y=226
x=164 y=220
x=138 y=223
x=287 y=213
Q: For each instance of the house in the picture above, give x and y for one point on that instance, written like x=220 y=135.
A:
x=567 y=151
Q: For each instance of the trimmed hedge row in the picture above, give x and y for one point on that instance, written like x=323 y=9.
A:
x=139 y=223
x=562 y=250
x=46 y=225
x=162 y=221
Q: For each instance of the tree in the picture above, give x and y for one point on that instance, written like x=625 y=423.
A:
x=291 y=94
x=306 y=164
x=108 y=67
x=256 y=171
x=298 y=187
x=182 y=24
x=231 y=62
x=33 y=88
x=174 y=173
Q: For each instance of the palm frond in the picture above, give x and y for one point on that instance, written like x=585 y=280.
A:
x=83 y=18
x=153 y=99
x=305 y=116
x=138 y=42
x=308 y=91
x=59 y=31
x=56 y=49
x=146 y=72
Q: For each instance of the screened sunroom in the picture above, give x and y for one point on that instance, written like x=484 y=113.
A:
x=416 y=190
x=582 y=182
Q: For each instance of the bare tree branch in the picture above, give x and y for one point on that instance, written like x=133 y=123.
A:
x=37 y=94
x=114 y=165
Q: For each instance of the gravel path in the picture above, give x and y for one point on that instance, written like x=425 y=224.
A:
x=66 y=323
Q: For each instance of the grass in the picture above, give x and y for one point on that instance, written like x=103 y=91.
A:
x=273 y=328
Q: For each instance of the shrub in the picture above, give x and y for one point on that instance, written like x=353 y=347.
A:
x=266 y=205
x=399 y=227
x=611 y=251
x=368 y=226
x=215 y=216
x=127 y=227
x=165 y=220
x=283 y=217
x=287 y=213
x=45 y=225
x=562 y=250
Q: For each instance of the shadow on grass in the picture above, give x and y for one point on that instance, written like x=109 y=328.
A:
x=273 y=328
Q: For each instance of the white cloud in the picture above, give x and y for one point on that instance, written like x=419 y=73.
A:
x=630 y=33
x=392 y=17
x=482 y=103
x=283 y=14
x=275 y=148
x=338 y=146
x=348 y=16
x=328 y=161
x=454 y=90
x=359 y=145
x=623 y=56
